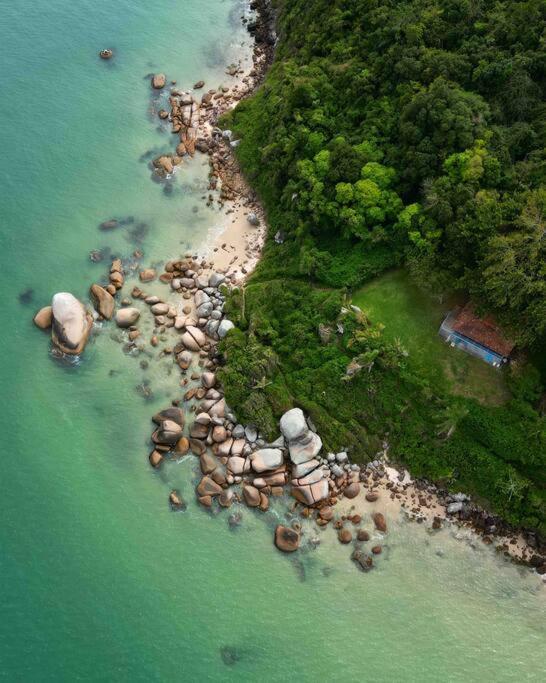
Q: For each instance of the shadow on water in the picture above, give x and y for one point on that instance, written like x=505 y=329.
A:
x=231 y=654
x=27 y=296
x=138 y=234
x=150 y=154
x=214 y=56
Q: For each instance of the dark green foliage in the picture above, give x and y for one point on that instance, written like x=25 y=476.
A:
x=392 y=131
x=433 y=104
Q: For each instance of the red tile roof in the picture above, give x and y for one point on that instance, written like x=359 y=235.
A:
x=485 y=331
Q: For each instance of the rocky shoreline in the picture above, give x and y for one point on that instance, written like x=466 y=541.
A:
x=194 y=118
x=237 y=465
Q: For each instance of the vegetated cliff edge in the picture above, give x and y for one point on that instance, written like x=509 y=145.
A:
x=398 y=133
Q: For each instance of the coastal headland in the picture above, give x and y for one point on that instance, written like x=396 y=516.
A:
x=238 y=465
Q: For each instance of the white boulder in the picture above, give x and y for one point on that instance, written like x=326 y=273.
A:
x=71 y=323
x=125 y=317
x=305 y=449
x=293 y=424
x=224 y=327
x=266 y=459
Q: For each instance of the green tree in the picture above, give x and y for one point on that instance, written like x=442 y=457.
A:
x=438 y=120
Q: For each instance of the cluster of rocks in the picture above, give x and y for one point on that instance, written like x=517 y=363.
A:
x=194 y=118
x=69 y=319
x=263 y=469
x=237 y=465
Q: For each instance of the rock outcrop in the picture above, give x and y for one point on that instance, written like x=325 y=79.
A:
x=309 y=485
x=125 y=317
x=44 y=318
x=158 y=81
x=103 y=301
x=286 y=539
x=71 y=323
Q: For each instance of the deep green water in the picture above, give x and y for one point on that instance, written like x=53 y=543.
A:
x=99 y=581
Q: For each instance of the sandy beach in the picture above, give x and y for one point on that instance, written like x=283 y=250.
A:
x=235 y=249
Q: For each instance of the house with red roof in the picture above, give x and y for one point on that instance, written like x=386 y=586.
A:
x=479 y=336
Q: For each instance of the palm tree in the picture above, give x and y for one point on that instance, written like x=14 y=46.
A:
x=512 y=486
x=451 y=418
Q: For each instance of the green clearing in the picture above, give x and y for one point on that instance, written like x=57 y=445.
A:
x=412 y=317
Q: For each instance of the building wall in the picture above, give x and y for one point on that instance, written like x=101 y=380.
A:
x=465 y=344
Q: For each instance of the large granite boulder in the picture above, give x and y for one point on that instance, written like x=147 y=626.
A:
x=193 y=338
x=103 y=301
x=238 y=465
x=293 y=424
x=172 y=413
x=266 y=459
x=305 y=448
x=310 y=494
x=168 y=433
x=208 y=487
x=304 y=468
x=125 y=317
x=251 y=496
x=71 y=323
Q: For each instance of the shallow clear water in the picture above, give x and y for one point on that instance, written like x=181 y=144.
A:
x=99 y=580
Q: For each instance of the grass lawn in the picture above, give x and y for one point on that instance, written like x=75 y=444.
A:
x=413 y=317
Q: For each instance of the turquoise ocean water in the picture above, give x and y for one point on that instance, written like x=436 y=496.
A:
x=99 y=581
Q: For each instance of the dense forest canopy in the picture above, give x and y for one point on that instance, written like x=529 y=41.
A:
x=419 y=125
x=399 y=132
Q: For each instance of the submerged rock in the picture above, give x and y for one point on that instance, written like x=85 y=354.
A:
x=176 y=502
x=230 y=655
x=26 y=296
x=362 y=560
x=109 y=225
x=379 y=521
x=158 y=81
x=235 y=520
x=286 y=539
